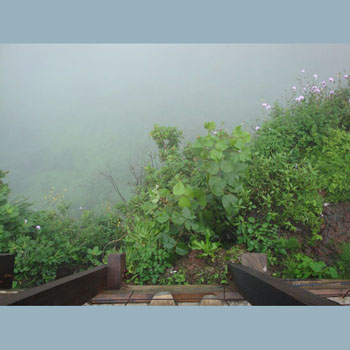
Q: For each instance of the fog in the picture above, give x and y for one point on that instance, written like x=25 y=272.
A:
x=66 y=111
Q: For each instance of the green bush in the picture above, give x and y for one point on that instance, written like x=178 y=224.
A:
x=301 y=266
x=344 y=261
x=332 y=162
x=146 y=259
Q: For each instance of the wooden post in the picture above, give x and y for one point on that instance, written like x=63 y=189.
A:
x=7 y=262
x=116 y=270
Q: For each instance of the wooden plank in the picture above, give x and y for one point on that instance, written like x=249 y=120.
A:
x=322 y=285
x=108 y=298
x=116 y=270
x=71 y=290
x=7 y=262
x=256 y=261
x=259 y=288
x=330 y=292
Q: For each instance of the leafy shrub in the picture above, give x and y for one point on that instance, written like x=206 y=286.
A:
x=344 y=261
x=332 y=162
x=209 y=248
x=146 y=260
x=302 y=266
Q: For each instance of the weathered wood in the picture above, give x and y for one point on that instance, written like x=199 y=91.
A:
x=259 y=288
x=322 y=284
x=116 y=270
x=256 y=261
x=6 y=270
x=181 y=294
x=71 y=290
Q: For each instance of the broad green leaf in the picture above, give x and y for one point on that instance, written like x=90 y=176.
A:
x=226 y=166
x=186 y=212
x=210 y=126
x=177 y=218
x=215 y=154
x=201 y=197
x=163 y=192
x=181 y=249
x=217 y=185
x=213 y=167
x=207 y=142
x=179 y=189
x=228 y=201
x=168 y=242
x=184 y=202
x=221 y=146
x=163 y=217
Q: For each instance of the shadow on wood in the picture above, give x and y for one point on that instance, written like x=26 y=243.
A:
x=261 y=289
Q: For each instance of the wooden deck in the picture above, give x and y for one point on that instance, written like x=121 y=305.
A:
x=158 y=295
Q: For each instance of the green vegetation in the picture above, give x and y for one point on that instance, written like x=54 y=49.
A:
x=263 y=192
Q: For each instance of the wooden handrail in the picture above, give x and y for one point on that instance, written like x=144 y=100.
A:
x=259 y=288
x=75 y=289
x=71 y=290
x=6 y=270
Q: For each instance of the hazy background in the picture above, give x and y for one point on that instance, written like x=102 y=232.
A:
x=68 y=110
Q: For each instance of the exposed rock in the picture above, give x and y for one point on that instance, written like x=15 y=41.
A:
x=163 y=299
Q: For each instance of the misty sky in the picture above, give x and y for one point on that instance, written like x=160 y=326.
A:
x=67 y=110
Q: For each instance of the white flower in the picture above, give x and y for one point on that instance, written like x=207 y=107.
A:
x=257 y=128
x=294 y=88
x=315 y=76
x=303 y=70
x=25 y=221
x=81 y=208
x=37 y=227
x=325 y=204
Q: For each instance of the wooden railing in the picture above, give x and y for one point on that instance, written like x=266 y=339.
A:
x=258 y=288
x=6 y=270
x=75 y=289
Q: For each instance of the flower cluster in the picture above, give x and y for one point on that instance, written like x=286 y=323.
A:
x=266 y=106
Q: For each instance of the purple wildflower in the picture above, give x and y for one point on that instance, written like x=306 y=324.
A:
x=268 y=107
x=303 y=70
x=294 y=88
x=324 y=83
x=346 y=76
x=331 y=79
x=315 y=76
x=37 y=227
x=257 y=128
x=331 y=92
